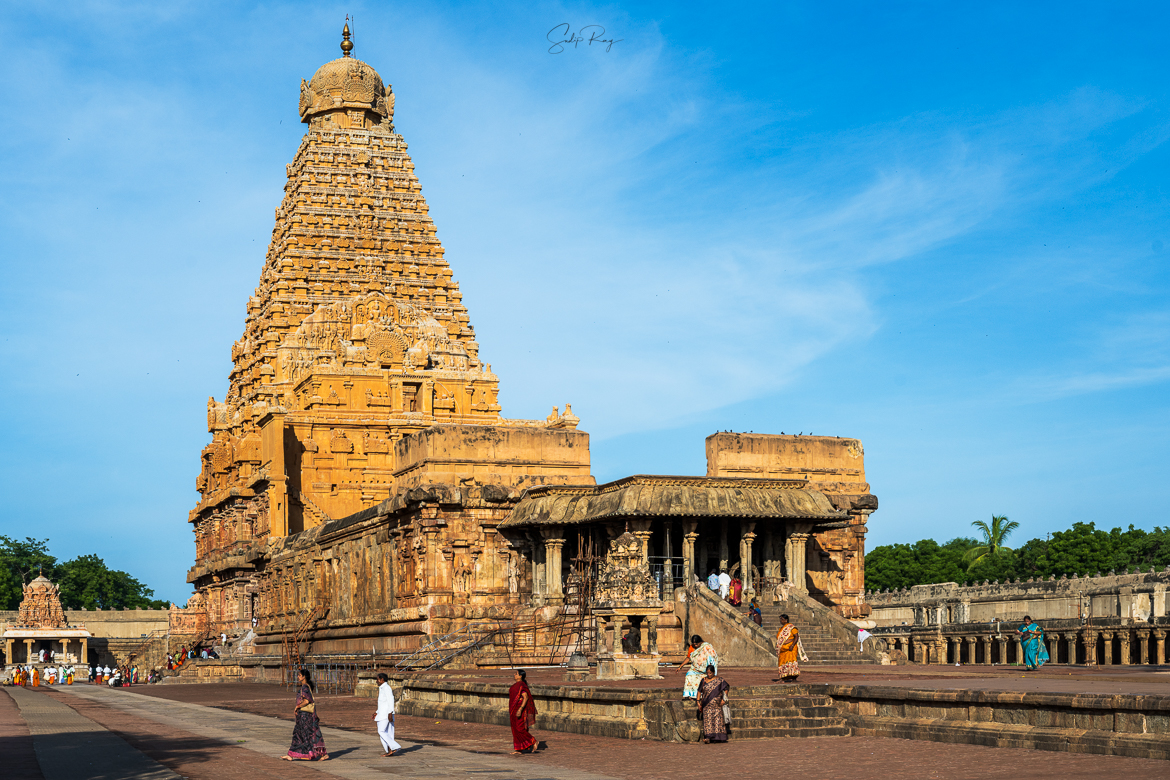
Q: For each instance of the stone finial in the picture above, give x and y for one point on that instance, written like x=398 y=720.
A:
x=346 y=45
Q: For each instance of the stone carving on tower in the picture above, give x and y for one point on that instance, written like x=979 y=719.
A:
x=41 y=605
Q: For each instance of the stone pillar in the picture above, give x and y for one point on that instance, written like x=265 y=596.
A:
x=1052 y=643
x=1143 y=637
x=651 y=627
x=1160 y=647
x=745 y=562
x=28 y=651
x=641 y=529
x=1071 y=641
x=603 y=636
x=553 y=542
x=723 y=554
x=668 y=562
x=84 y=657
x=797 y=544
x=616 y=626
x=986 y=642
x=539 y=578
x=65 y=650
x=690 y=536
x=8 y=659
x=1089 y=637
x=1126 y=639
x=971 y=641
x=1108 y=637
x=1019 y=650
x=1002 y=642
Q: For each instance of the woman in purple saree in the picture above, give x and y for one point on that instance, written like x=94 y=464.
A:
x=307 y=742
x=712 y=691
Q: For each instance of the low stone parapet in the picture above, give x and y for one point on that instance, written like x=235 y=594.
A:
x=1135 y=726
x=1120 y=725
x=625 y=713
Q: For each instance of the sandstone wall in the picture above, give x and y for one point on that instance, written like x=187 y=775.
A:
x=1135 y=597
x=109 y=623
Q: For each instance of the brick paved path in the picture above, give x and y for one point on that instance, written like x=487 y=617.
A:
x=355 y=756
x=16 y=743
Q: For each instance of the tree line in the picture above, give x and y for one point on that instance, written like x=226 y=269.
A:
x=1084 y=550
x=84 y=582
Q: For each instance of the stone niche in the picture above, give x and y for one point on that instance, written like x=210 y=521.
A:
x=627 y=594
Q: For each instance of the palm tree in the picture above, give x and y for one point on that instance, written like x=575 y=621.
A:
x=993 y=537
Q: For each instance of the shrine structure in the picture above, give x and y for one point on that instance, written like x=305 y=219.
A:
x=41 y=625
x=362 y=491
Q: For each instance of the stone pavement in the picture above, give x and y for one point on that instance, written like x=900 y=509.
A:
x=354 y=756
x=70 y=746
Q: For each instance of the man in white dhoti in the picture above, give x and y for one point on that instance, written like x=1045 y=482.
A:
x=384 y=717
x=724 y=584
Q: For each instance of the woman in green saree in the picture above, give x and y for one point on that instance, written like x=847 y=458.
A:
x=1032 y=640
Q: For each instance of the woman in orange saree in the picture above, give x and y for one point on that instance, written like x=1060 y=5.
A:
x=788 y=650
x=521 y=714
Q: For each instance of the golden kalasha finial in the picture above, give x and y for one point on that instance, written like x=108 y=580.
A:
x=346 y=46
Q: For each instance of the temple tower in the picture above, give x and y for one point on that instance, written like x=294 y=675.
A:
x=355 y=337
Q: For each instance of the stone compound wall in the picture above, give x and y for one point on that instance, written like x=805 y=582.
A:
x=1115 y=619
x=1134 y=597
x=109 y=623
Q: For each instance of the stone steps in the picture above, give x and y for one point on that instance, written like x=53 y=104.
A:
x=793 y=733
x=820 y=645
x=797 y=715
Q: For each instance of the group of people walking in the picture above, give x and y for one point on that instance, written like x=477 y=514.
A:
x=729 y=588
x=308 y=743
x=31 y=676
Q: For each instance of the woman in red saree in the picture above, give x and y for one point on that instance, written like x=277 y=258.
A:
x=521 y=714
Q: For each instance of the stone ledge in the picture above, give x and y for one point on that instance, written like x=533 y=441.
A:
x=1010 y=736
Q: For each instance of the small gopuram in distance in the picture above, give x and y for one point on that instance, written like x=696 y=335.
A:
x=362 y=491
x=41 y=626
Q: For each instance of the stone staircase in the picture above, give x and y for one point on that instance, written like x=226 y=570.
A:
x=763 y=713
x=824 y=643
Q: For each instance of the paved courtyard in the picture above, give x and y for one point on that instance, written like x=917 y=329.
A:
x=239 y=731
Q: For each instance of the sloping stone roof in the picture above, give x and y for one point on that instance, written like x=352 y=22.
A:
x=653 y=496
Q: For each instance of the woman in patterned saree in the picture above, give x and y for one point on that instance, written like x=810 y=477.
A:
x=307 y=742
x=1032 y=640
x=701 y=655
x=712 y=691
x=788 y=650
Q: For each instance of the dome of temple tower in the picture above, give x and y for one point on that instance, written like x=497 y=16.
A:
x=345 y=83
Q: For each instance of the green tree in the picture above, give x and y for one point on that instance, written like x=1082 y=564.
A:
x=20 y=563
x=926 y=561
x=87 y=582
x=993 y=537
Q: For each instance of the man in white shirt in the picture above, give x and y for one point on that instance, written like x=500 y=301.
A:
x=384 y=717
x=724 y=584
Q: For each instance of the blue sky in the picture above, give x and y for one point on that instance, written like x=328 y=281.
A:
x=939 y=228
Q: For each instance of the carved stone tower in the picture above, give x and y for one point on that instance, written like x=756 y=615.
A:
x=355 y=338
x=357 y=332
